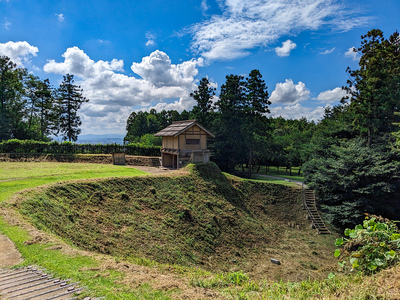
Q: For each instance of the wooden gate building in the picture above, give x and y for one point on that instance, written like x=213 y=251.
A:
x=183 y=142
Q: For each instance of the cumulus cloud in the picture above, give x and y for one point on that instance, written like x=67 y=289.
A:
x=288 y=92
x=298 y=111
x=352 y=53
x=330 y=96
x=287 y=46
x=112 y=94
x=18 y=52
x=248 y=24
x=328 y=51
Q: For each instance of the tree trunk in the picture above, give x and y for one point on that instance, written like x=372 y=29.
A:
x=298 y=173
x=250 y=163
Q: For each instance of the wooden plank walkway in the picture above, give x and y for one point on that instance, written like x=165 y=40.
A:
x=31 y=283
x=310 y=206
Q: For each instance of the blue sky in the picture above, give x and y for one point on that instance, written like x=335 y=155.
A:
x=138 y=55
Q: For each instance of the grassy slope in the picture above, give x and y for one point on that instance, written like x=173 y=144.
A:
x=115 y=282
x=203 y=219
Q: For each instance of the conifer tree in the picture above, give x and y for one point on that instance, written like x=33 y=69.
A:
x=69 y=101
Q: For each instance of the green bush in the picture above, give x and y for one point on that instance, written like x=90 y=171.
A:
x=370 y=247
x=31 y=146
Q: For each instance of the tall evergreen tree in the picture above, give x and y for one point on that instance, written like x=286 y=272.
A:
x=375 y=87
x=69 y=101
x=203 y=96
x=40 y=107
x=12 y=103
x=256 y=103
x=228 y=144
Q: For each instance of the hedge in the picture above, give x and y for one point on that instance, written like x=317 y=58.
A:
x=30 y=146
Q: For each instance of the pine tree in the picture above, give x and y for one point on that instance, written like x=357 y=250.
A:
x=69 y=101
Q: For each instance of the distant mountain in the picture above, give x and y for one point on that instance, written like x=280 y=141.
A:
x=101 y=139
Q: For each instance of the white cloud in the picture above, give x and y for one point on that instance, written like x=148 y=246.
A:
x=112 y=95
x=330 y=96
x=150 y=39
x=204 y=6
x=60 y=17
x=352 y=53
x=298 y=111
x=7 y=24
x=18 y=52
x=287 y=46
x=328 y=51
x=288 y=92
x=248 y=24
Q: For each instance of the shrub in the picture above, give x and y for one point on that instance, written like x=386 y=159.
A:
x=371 y=247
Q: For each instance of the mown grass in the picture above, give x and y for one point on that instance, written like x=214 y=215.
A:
x=17 y=176
x=232 y=284
x=77 y=268
x=273 y=171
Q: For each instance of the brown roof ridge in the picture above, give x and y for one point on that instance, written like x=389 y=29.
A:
x=174 y=129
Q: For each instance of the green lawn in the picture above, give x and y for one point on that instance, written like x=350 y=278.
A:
x=273 y=171
x=17 y=176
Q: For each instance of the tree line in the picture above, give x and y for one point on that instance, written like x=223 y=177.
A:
x=30 y=108
x=350 y=157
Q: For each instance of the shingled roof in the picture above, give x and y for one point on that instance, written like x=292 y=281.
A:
x=178 y=127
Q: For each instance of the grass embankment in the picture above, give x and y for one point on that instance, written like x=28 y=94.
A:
x=185 y=216
x=17 y=176
x=204 y=219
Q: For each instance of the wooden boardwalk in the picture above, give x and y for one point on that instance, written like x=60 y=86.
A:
x=31 y=283
x=310 y=206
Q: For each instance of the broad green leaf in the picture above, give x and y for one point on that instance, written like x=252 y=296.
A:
x=339 y=242
x=354 y=263
x=390 y=254
x=353 y=234
x=372 y=267
x=381 y=226
x=359 y=227
x=382 y=244
x=365 y=223
x=394 y=236
x=331 y=275
x=347 y=231
x=378 y=262
x=337 y=253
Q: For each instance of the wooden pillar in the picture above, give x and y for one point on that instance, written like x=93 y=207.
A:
x=177 y=161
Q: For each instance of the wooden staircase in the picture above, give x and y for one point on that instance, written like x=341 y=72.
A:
x=310 y=206
x=31 y=283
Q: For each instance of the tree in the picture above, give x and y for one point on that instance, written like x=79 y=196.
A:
x=12 y=103
x=240 y=124
x=227 y=147
x=353 y=179
x=203 y=96
x=256 y=103
x=374 y=88
x=40 y=107
x=69 y=101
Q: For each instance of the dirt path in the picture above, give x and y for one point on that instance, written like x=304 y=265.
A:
x=9 y=255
